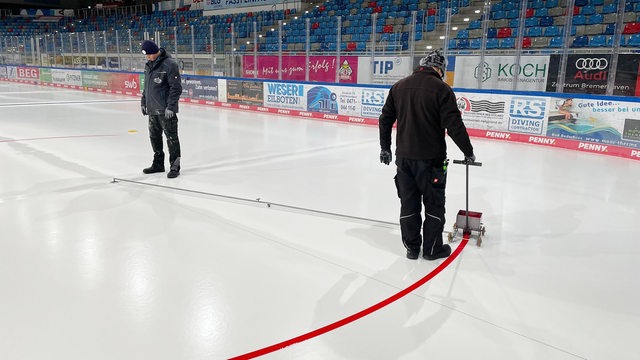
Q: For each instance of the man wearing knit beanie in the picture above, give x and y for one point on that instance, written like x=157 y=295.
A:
x=160 y=97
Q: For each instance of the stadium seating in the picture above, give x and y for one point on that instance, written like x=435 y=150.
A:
x=593 y=25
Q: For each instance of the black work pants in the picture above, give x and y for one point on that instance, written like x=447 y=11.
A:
x=157 y=125
x=421 y=182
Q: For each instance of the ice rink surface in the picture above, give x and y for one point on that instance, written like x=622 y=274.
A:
x=142 y=269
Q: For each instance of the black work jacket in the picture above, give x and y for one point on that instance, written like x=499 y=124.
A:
x=162 y=85
x=425 y=107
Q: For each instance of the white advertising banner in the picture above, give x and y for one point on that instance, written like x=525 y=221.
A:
x=384 y=70
x=66 y=77
x=498 y=72
x=482 y=111
x=285 y=95
x=511 y=113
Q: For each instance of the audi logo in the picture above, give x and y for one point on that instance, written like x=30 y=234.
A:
x=588 y=64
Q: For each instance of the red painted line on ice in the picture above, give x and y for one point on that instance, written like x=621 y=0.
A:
x=55 y=137
x=363 y=313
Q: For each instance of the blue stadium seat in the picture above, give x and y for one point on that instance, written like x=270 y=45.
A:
x=546 y=21
x=588 y=10
x=508 y=6
x=512 y=14
x=556 y=42
x=493 y=43
x=508 y=43
x=580 y=41
x=497 y=15
x=463 y=34
x=475 y=24
x=595 y=19
x=552 y=31
x=598 y=41
x=541 y=12
x=534 y=31
x=579 y=20
x=633 y=40
x=537 y=4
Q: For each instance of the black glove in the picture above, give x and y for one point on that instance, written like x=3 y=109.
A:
x=169 y=114
x=470 y=159
x=385 y=157
x=144 y=110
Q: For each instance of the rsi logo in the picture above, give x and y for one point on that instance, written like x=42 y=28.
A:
x=130 y=84
x=372 y=97
x=532 y=108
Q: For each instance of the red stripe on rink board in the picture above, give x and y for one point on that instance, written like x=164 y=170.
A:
x=361 y=314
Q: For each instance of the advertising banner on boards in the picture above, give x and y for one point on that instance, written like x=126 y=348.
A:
x=603 y=122
x=589 y=74
x=321 y=68
x=200 y=88
x=383 y=69
x=499 y=72
x=245 y=92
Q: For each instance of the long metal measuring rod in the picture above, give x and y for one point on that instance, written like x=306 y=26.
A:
x=269 y=204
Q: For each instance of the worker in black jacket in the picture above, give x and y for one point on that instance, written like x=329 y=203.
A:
x=160 y=97
x=424 y=106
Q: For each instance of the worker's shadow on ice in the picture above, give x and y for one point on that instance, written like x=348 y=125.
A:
x=388 y=333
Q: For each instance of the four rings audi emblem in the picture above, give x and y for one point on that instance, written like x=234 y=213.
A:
x=589 y=64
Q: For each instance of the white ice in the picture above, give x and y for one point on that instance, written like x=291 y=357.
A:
x=96 y=269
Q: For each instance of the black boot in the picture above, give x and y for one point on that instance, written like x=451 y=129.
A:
x=154 y=168
x=443 y=252
x=175 y=169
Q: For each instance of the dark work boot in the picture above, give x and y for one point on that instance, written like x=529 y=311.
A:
x=442 y=252
x=175 y=169
x=413 y=254
x=154 y=168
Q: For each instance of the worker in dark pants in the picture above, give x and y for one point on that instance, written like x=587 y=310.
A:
x=424 y=107
x=160 y=97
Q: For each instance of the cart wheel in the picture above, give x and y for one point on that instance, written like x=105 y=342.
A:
x=483 y=230
x=479 y=241
x=450 y=237
x=455 y=227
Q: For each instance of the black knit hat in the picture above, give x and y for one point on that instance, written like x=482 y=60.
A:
x=149 y=47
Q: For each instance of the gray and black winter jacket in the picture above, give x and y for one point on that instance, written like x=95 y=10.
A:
x=424 y=106
x=162 y=86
